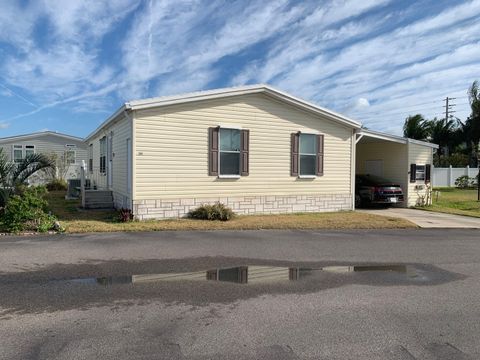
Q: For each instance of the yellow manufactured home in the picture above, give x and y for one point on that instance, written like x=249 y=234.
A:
x=253 y=148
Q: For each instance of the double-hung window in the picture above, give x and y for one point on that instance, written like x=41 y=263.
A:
x=420 y=173
x=29 y=150
x=103 y=155
x=70 y=154
x=229 y=152
x=20 y=152
x=308 y=155
x=17 y=153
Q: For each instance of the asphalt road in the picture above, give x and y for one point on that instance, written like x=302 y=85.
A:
x=146 y=296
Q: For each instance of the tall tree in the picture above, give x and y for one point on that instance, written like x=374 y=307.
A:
x=443 y=132
x=472 y=125
x=416 y=127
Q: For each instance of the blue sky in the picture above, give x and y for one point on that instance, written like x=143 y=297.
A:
x=67 y=65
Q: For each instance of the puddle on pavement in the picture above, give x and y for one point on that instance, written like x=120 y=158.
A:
x=222 y=280
x=251 y=274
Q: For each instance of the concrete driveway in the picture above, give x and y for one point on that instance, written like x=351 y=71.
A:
x=428 y=219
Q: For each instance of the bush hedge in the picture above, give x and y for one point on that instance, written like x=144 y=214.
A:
x=27 y=211
x=57 y=185
x=217 y=211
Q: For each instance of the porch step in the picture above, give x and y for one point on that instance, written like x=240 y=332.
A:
x=98 y=199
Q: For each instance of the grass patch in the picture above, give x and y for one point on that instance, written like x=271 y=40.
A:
x=455 y=201
x=77 y=220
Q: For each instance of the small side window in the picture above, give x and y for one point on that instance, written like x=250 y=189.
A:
x=103 y=155
x=420 y=173
x=90 y=158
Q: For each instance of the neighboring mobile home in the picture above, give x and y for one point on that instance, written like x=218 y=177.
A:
x=69 y=148
x=254 y=148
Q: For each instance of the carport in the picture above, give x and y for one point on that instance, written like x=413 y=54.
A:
x=405 y=161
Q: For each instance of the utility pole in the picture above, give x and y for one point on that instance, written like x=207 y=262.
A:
x=448 y=107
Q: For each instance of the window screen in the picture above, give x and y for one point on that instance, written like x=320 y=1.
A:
x=308 y=154
x=229 y=152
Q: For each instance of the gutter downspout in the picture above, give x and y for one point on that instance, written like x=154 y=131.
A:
x=353 y=166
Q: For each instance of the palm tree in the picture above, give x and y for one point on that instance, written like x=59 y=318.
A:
x=416 y=127
x=472 y=124
x=13 y=174
x=444 y=133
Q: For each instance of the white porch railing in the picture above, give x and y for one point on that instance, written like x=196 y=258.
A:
x=91 y=179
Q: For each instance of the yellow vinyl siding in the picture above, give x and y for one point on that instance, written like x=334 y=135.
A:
x=420 y=155
x=393 y=155
x=171 y=150
x=121 y=132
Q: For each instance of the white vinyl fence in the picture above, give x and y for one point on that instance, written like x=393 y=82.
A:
x=447 y=176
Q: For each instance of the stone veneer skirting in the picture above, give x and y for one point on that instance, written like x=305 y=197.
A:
x=269 y=204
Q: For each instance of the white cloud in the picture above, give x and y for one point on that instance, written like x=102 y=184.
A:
x=4 y=125
x=180 y=46
x=395 y=69
x=360 y=57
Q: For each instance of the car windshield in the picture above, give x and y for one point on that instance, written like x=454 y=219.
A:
x=374 y=179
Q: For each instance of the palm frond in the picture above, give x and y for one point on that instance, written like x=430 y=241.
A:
x=5 y=169
x=29 y=166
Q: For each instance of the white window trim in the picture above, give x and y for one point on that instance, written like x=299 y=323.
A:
x=230 y=126
x=228 y=176
x=300 y=154
x=23 y=149
x=74 y=156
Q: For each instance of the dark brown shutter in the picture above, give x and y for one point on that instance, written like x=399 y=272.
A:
x=413 y=173
x=244 y=152
x=428 y=171
x=213 y=151
x=294 y=154
x=320 y=148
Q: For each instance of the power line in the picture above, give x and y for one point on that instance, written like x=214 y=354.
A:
x=383 y=112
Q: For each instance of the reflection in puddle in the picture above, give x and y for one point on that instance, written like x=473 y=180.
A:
x=245 y=274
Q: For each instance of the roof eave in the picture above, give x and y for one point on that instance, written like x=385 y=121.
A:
x=423 y=143
x=157 y=102
x=112 y=117
x=40 y=133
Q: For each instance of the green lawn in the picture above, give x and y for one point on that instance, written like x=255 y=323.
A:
x=77 y=220
x=455 y=201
